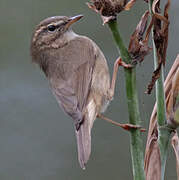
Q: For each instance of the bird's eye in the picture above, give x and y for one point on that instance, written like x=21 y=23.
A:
x=51 y=28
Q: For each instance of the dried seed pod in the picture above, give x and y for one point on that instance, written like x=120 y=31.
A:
x=108 y=9
x=138 y=46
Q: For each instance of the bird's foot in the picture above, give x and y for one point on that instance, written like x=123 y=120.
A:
x=123 y=64
x=127 y=127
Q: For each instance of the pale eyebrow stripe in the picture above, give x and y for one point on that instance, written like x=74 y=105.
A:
x=57 y=23
x=43 y=27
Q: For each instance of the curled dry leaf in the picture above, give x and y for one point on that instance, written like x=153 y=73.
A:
x=152 y=162
x=172 y=104
x=175 y=145
x=153 y=167
x=138 y=46
x=108 y=9
x=160 y=29
x=155 y=76
x=153 y=133
x=176 y=113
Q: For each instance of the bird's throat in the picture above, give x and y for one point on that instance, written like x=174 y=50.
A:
x=64 y=39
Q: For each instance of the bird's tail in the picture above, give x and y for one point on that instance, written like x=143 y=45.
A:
x=84 y=135
x=84 y=144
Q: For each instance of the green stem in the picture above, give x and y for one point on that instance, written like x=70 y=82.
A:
x=120 y=44
x=163 y=131
x=133 y=106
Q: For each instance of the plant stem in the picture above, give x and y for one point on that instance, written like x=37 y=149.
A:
x=163 y=131
x=120 y=44
x=133 y=106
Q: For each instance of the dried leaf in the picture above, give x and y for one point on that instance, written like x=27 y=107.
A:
x=175 y=145
x=138 y=46
x=161 y=32
x=175 y=86
x=176 y=115
x=152 y=157
x=156 y=6
x=155 y=76
x=167 y=86
x=160 y=39
x=153 y=165
x=172 y=104
x=153 y=133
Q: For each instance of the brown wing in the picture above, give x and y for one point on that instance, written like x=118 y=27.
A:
x=72 y=94
x=71 y=78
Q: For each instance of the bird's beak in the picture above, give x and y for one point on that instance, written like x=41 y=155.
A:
x=73 y=20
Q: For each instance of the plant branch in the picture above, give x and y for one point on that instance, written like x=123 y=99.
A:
x=133 y=106
x=163 y=131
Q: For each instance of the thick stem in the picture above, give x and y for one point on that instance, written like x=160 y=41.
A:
x=133 y=106
x=163 y=131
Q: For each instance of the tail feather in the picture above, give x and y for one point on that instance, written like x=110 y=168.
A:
x=84 y=144
x=84 y=134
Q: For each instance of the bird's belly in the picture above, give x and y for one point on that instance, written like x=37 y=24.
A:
x=104 y=105
x=92 y=112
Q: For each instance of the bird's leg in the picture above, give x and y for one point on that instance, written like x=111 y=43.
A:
x=127 y=127
x=117 y=63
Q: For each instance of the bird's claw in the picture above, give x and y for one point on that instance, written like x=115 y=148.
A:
x=120 y=62
x=127 y=127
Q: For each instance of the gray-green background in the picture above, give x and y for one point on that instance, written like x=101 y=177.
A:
x=37 y=140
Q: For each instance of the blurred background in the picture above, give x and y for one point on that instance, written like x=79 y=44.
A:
x=37 y=140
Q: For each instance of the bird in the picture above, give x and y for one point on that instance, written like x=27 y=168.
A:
x=77 y=72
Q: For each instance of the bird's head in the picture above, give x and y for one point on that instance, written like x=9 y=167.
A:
x=50 y=32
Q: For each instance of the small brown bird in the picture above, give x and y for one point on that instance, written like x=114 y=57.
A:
x=78 y=74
